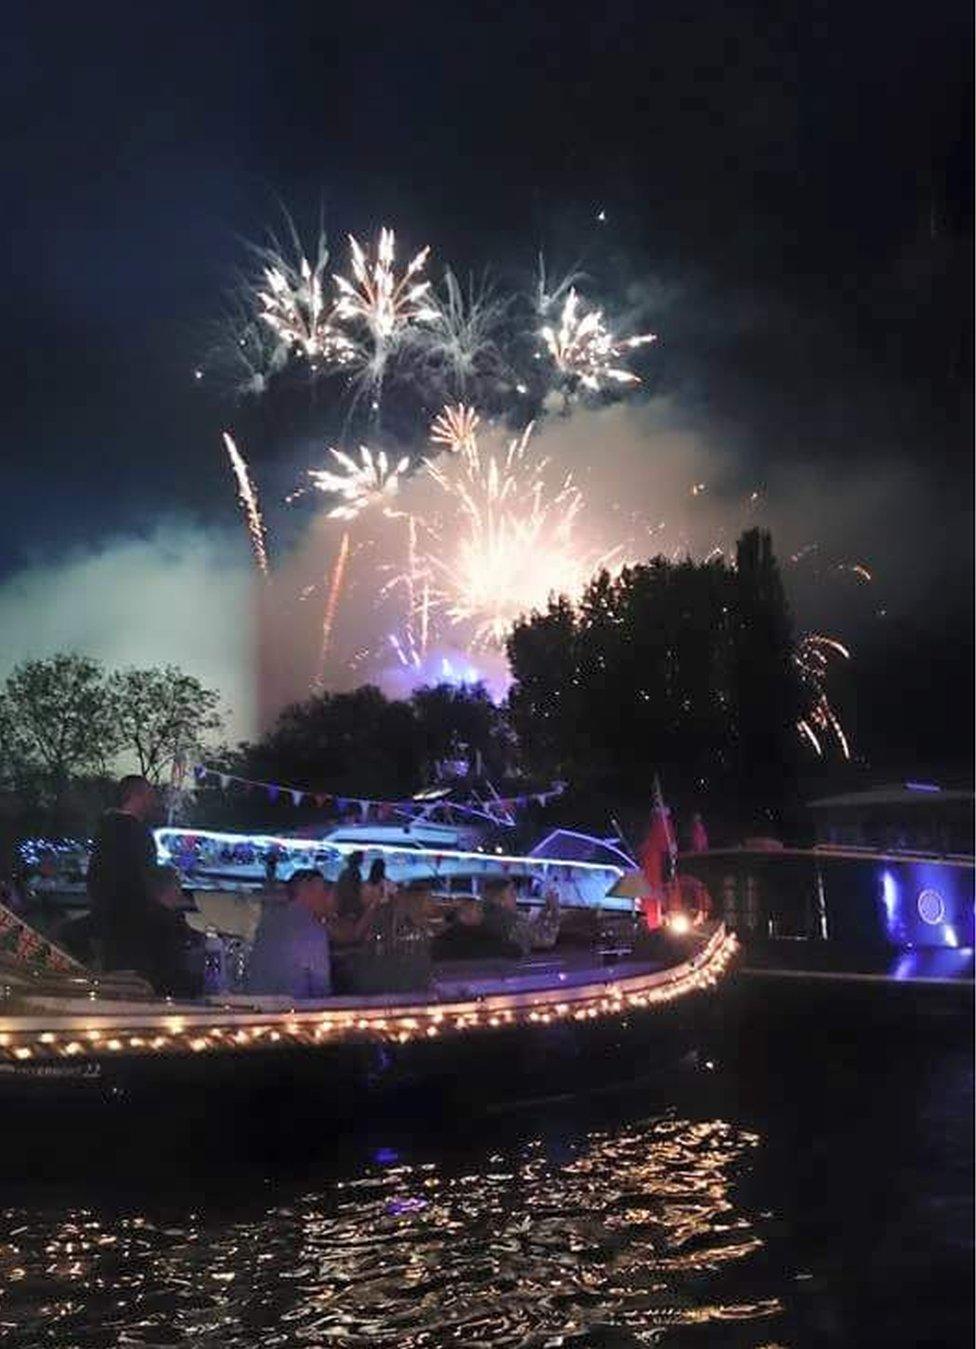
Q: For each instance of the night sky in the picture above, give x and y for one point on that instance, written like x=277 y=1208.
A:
x=791 y=187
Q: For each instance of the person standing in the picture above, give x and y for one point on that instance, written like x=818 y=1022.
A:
x=349 y=888
x=120 y=873
x=376 y=889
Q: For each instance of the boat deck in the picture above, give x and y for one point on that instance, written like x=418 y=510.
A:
x=57 y=1023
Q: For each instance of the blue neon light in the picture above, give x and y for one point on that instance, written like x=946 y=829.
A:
x=889 y=898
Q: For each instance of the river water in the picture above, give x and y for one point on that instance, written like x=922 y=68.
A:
x=818 y=1194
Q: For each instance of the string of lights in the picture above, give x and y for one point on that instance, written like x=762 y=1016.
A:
x=106 y=1033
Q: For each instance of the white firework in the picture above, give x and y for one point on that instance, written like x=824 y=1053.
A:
x=372 y=480
x=460 y=345
x=292 y=301
x=376 y=298
x=585 y=352
x=455 y=427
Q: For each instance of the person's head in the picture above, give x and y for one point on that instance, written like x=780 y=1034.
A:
x=500 y=892
x=356 y=860
x=307 y=887
x=166 y=887
x=415 y=902
x=468 y=913
x=137 y=797
x=377 y=871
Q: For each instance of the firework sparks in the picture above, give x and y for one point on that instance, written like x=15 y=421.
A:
x=812 y=657
x=509 y=544
x=584 y=350
x=459 y=346
x=249 y=504
x=377 y=298
x=372 y=480
x=455 y=426
x=295 y=307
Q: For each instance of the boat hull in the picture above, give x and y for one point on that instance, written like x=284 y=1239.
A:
x=237 y=1077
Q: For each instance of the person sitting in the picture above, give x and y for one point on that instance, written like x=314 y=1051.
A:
x=503 y=924
x=291 y=953
x=175 y=967
x=512 y=932
x=545 y=925
x=463 y=937
x=394 y=954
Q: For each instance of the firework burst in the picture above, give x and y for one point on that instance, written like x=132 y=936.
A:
x=455 y=427
x=585 y=352
x=812 y=656
x=508 y=543
x=295 y=307
x=371 y=480
x=376 y=298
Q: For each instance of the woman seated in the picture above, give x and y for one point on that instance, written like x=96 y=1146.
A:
x=392 y=953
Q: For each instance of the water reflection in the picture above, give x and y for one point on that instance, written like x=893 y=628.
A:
x=627 y=1236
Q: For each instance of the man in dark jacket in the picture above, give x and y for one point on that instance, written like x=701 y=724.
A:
x=120 y=877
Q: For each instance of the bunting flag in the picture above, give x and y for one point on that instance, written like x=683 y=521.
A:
x=19 y=940
x=495 y=809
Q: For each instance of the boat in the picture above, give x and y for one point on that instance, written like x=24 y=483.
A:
x=419 y=852
x=883 y=899
x=100 y=1060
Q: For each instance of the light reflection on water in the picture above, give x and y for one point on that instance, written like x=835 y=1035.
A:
x=627 y=1240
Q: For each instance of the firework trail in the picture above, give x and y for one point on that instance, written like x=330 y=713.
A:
x=249 y=504
x=810 y=555
x=811 y=657
x=372 y=480
x=585 y=352
x=549 y=294
x=455 y=426
x=331 y=607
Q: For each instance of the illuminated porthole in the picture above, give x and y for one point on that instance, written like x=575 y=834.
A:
x=931 y=906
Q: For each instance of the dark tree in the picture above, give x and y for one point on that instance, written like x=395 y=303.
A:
x=683 y=669
x=356 y=744
x=766 y=691
x=56 y=724
x=462 y=724
x=545 y=697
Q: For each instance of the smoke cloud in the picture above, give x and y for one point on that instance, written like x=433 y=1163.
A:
x=180 y=596
x=655 y=480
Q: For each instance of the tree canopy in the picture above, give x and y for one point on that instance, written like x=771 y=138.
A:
x=162 y=715
x=678 y=668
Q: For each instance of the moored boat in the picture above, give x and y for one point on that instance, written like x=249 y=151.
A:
x=483 y=1028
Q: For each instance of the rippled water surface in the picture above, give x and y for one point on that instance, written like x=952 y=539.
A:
x=792 y=1208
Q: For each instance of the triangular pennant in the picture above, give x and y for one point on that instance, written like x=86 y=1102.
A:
x=297 y=798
